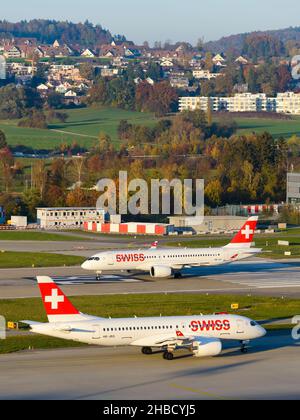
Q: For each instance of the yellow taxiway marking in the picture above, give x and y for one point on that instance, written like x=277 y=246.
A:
x=200 y=392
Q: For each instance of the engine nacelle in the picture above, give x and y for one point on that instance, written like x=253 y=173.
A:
x=160 y=271
x=207 y=347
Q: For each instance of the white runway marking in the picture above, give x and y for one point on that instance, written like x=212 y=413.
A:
x=265 y=283
x=73 y=280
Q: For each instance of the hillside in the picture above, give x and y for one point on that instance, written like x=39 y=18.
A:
x=236 y=42
x=47 y=31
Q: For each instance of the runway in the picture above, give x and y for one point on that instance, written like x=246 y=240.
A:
x=257 y=277
x=269 y=370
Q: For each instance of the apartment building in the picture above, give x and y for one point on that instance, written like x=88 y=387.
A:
x=288 y=103
x=293 y=188
x=285 y=103
x=192 y=103
x=2 y=68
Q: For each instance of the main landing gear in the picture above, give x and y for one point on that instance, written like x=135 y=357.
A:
x=168 y=356
x=147 y=350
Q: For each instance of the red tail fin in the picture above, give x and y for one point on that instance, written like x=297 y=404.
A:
x=57 y=305
x=245 y=236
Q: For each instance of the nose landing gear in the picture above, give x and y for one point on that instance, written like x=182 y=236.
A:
x=244 y=348
x=98 y=275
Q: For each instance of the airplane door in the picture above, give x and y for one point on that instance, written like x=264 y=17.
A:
x=240 y=326
x=97 y=333
x=110 y=260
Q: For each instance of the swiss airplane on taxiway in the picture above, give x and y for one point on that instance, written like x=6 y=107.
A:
x=202 y=335
x=170 y=261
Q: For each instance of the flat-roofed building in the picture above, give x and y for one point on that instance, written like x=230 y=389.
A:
x=288 y=103
x=293 y=188
x=2 y=68
x=210 y=224
x=69 y=218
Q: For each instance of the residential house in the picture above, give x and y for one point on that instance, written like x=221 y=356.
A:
x=88 y=53
x=179 y=82
x=218 y=59
x=12 y=52
x=109 y=72
x=204 y=74
x=242 y=60
x=166 y=63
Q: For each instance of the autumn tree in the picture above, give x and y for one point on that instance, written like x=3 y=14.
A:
x=3 y=143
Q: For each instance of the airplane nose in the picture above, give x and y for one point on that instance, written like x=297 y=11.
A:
x=262 y=332
x=85 y=265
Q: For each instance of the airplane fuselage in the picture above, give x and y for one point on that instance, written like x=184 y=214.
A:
x=176 y=258
x=138 y=331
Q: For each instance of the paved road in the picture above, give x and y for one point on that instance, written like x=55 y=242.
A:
x=82 y=248
x=269 y=370
x=257 y=277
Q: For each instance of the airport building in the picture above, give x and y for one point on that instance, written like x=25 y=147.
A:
x=211 y=224
x=68 y=218
x=293 y=188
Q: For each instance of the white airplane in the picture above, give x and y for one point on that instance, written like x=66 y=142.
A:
x=163 y=263
x=202 y=335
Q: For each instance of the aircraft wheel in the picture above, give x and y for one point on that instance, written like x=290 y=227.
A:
x=244 y=350
x=177 y=275
x=147 y=350
x=168 y=356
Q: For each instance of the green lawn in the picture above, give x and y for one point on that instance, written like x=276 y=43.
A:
x=19 y=343
x=37 y=236
x=30 y=259
x=259 y=308
x=278 y=128
x=83 y=126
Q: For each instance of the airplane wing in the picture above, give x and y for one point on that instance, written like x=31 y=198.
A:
x=165 y=340
x=200 y=346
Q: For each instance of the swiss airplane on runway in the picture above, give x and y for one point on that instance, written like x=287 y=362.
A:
x=163 y=263
x=199 y=334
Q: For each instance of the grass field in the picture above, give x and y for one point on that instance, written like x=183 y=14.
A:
x=259 y=308
x=83 y=126
x=30 y=259
x=278 y=128
x=37 y=236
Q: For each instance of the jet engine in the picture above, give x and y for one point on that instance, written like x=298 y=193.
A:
x=207 y=347
x=160 y=271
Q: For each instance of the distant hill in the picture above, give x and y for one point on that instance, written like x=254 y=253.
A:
x=236 y=42
x=47 y=31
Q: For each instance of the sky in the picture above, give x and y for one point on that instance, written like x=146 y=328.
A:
x=161 y=20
